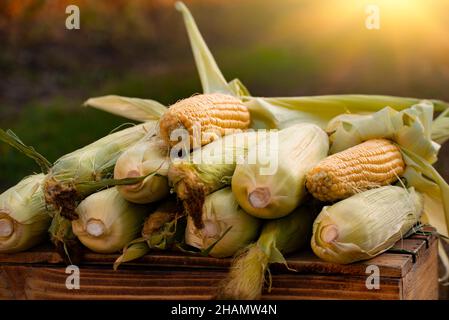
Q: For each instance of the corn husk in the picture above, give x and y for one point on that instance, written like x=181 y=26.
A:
x=84 y=171
x=24 y=218
x=107 y=222
x=440 y=128
x=132 y=108
x=366 y=224
x=162 y=230
x=148 y=157
x=219 y=213
x=274 y=192
x=208 y=169
x=278 y=237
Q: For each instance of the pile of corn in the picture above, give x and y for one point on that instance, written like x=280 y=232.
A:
x=347 y=176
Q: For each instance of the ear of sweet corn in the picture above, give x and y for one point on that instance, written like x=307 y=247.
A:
x=210 y=116
x=371 y=164
x=68 y=180
x=24 y=218
x=148 y=156
x=221 y=213
x=107 y=222
x=209 y=169
x=366 y=224
x=278 y=237
x=275 y=193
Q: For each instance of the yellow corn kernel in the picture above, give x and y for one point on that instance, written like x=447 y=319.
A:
x=373 y=163
x=215 y=114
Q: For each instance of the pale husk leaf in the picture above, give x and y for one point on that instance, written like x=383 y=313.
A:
x=131 y=108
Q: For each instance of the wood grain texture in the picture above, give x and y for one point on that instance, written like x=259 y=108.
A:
x=40 y=274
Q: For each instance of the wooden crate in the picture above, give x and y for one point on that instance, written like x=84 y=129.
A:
x=40 y=274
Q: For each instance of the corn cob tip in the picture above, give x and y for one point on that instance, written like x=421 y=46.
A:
x=95 y=228
x=6 y=227
x=260 y=197
x=329 y=233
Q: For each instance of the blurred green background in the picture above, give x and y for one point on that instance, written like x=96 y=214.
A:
x=140 y=48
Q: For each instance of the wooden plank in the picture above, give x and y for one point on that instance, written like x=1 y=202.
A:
x=49 y=283
x=422 y=281
x=392 y=265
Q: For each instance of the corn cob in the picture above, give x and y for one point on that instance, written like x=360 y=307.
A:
x=148 y=156
x=373 y=163
x=107 y=222
x=366 y=224
x=219 y=213
x=74 y=176
x=24 y=217
x=213 y=115
x=271 y=194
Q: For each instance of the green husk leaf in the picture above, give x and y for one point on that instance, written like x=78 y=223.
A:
x=440 y=128
x=132 y=108
x=211 y=77
x=14 y=141
x=87 y=187
x=429 y=178
x=135 y=250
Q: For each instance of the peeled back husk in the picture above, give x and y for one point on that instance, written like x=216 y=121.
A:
x=366 y=224
x=278 y=237
x=78 y=174
x=24 y=218
x=273 y=187
x=107 y=222
x=221 y=213
x=208 y=169
x=147 y=157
